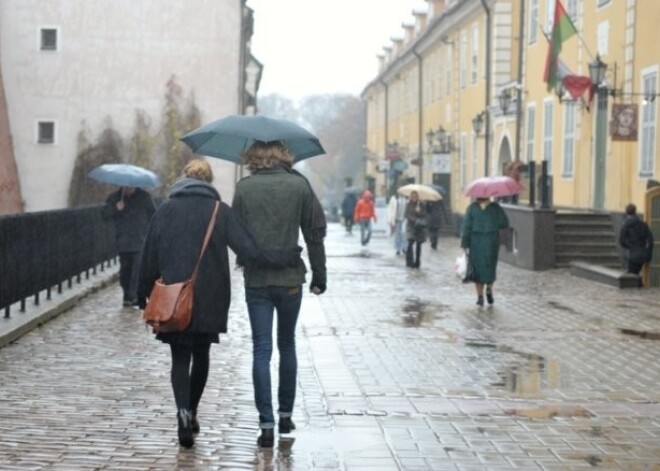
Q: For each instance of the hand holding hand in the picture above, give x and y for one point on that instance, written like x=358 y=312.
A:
x=316 y=286
x=120 y=205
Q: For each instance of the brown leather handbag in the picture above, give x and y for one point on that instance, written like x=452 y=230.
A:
x=169 y=307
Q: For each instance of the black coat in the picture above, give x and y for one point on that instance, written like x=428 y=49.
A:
x=173 y=244
x=132 y=222
x=636 y=236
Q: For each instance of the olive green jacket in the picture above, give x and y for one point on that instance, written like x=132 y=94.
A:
x=277 y=206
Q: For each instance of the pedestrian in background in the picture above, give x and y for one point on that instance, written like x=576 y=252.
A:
x=365 y=211
x=277 y=203
x=132 y=209
x=347 y=209
x=416 y=224
x=396 y=218
x=170 y=252
x=480 y=238
x=637 y=239
x=434 y=211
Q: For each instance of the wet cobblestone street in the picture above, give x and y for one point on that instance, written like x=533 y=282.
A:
x=398 y=369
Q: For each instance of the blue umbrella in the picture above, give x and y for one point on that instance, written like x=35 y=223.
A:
x=229 y=137
x=439 y=188
x=125 y=175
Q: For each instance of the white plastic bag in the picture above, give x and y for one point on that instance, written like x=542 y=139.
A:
x=461 y=266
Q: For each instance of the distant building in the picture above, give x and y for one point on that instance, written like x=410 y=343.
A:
x=68 y=65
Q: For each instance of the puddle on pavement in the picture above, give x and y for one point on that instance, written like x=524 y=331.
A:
x=417 y=312
x=641 y=334
x=562 y=307
x=530 y=376
x=550 y=412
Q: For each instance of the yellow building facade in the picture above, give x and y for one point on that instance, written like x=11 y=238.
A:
x=454 y=62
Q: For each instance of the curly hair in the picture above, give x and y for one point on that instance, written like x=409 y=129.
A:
x=198 y=169
x=267 y=155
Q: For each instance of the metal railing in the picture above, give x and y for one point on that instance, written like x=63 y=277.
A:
x=41 y=251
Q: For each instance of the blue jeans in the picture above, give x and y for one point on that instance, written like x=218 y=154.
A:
x=400 y=243
x=365 y=231
x=261 y=303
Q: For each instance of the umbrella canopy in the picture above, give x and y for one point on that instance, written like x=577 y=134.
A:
x=425 y=192
x=125 y=175
x=487 y=187
x=229 y=137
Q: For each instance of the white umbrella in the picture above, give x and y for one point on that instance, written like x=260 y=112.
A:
x=425 y=193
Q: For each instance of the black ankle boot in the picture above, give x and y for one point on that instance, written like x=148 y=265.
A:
x=286 y=425
x=489 y=296
x=267 y=438
x=185 y=428
x=480 y=300
x=194 y=423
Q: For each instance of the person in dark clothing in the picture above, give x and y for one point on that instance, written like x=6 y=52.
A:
x=416 y=224
x=132 y=209
x=347 y=208
x=171 y=251
x=434 y=219
x=636 y=237
x=277 y=204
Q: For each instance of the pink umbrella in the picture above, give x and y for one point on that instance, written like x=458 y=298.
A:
x=487 y=187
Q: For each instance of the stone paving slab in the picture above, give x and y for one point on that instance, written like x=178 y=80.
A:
x=398 y=369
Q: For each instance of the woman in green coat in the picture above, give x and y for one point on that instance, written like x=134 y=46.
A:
x=480 y=239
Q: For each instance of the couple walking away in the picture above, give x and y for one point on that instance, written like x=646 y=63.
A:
x=261 y=227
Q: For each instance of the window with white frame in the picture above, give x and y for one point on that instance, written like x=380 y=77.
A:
x=46 y=132
x=648 y=125
x=463 y=161
x=462 y=58
x=533 y=21
x=572 y=9
x=48 y=39
x=531 y=124
x=441 y=75
x=475 y=53
x=569 y=140
x=549 y=17
x=475 y=155
x=448 y=68
x=548 y=117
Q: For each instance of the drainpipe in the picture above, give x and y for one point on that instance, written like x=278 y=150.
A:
x=386 y=121
x=420 y=96
x=519 y=110
x=488 y=80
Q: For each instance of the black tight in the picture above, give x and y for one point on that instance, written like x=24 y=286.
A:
x=412 y=260
x=188 y=383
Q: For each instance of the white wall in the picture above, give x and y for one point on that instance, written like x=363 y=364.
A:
x=114 y=57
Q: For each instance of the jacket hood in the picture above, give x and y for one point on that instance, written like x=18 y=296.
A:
x=367 y=195
x=192 y=187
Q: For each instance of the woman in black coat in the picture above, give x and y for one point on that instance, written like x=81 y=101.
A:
x=416 y=223
x=636 y=237
x=171 y=250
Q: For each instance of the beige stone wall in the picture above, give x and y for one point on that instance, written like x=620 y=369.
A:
x=113 y=58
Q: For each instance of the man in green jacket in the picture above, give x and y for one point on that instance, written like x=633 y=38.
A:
x=277 y=203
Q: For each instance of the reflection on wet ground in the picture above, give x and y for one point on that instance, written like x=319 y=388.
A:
x=417 y=312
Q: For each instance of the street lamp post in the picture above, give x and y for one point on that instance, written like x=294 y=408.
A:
x=597 y=70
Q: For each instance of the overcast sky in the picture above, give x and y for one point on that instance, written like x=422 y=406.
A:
x=319 y=46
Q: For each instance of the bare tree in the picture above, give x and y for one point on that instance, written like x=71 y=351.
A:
x=109 y=148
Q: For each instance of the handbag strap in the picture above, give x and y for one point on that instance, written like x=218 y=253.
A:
x=207 y=237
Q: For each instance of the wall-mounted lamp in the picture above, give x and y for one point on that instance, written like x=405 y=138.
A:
x=505 y=100
x=478 y=123
x=439 y=141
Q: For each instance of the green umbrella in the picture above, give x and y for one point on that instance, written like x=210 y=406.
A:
x=227 y=138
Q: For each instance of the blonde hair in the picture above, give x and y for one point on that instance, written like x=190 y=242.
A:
x=267 y=155
x=198 y=169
